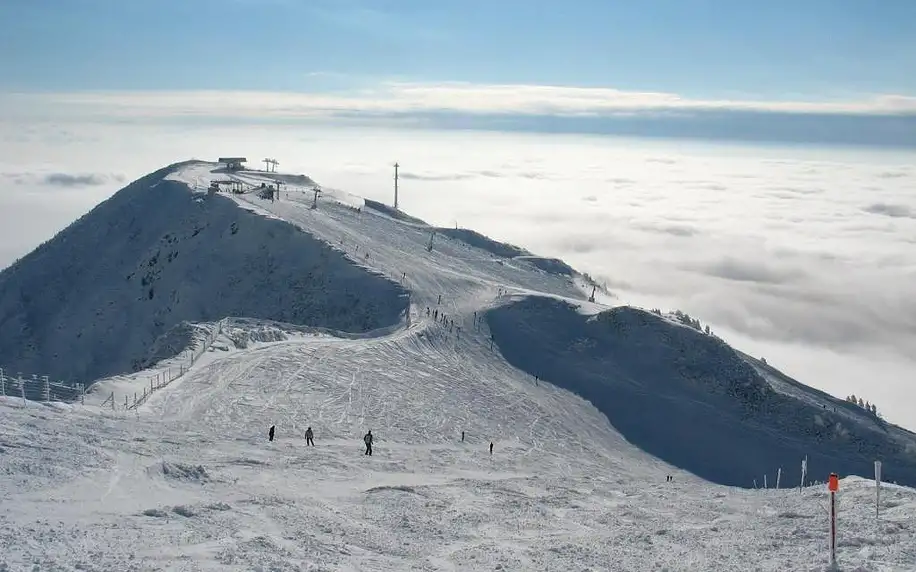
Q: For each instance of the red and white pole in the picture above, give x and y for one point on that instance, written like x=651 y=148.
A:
x=834 y=486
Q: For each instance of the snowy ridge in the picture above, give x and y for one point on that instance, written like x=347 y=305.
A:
x=659 y=381
x=188 y=480
x=93 y=301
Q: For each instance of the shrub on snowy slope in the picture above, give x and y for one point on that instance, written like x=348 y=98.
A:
x=483 y=242
x=509 y=251
x=394 y=213
x=90 y=302
x=688 y=398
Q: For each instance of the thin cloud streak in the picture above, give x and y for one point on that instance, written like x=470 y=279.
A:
x=405 y=97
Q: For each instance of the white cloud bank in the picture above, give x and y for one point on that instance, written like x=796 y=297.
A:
x=805 y=256
x=454 y=97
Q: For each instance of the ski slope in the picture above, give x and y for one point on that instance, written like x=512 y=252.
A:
x=189 y=481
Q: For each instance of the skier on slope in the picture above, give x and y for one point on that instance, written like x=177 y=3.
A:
x=367 y=439
x=270 y=434
x=309 y=437
x=491 y=447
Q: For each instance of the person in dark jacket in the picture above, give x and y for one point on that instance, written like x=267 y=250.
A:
x=491 y=447
x=309 y=437
x=367 y=439
x=270 y=434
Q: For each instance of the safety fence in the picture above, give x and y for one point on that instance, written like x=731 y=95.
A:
x=39 y=388
x=165 y=375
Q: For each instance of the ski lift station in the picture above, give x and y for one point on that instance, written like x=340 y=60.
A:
x=233 y=163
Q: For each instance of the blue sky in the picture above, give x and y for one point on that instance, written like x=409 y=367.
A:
x=821 y=51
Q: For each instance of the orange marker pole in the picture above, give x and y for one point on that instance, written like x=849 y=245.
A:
x=834 y=486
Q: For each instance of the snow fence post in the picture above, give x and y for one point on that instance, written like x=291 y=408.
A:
x=22 y=389
x=804 y=473
x=833 y=485
x=877 y=489
x=778 y=477
x=82 y=394
x=2 y=383
x=46 y=388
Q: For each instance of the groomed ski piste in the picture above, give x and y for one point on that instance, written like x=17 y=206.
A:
x=189 y=481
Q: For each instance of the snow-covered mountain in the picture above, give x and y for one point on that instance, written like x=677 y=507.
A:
x=92 y=301
x=345 y=320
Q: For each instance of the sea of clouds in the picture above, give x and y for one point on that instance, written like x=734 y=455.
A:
x=806 y=256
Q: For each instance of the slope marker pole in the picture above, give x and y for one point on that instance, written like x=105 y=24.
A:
x=833 y=485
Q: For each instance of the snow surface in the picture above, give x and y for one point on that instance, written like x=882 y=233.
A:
x=188 y=481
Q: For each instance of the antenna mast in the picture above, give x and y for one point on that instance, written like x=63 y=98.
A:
x=396 y=186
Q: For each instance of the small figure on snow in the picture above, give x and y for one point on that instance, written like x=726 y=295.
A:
x=462 y=436
x=491 y=447
x=270 y=434
x=309 y=437
x=367 y=439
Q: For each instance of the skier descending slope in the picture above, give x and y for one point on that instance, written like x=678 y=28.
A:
x=270 y=434
x=309 y=437
x=367 y=439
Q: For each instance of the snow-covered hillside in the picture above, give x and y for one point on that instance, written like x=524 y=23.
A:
x=689 y=399
x=92 y=301
x=189 y=481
